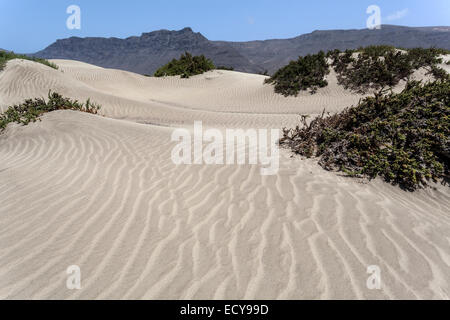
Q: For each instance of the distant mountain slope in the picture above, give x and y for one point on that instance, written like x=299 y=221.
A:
x=146 y=53
x=272 y=54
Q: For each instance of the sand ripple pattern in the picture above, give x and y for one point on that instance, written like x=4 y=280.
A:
x=103 y=194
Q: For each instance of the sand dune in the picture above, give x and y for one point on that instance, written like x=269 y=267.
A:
x=219 y=98
x=102 y=193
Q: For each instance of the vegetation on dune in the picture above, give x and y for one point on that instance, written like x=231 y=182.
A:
x=376 y=51
x=6 y=56
x=377 y=67
x=32 y=109
x=305 y=73
x=361 y=70
x=404 y=137
x=225 y=68
x=426 y=57
x=186 y=66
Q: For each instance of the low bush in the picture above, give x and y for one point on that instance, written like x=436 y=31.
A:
x=306 y=73
x=32 y=109
x=225 y=68
x=377 y=51
x=186 y=66
x=362 y=70
x=404 y=137
x=377 y=67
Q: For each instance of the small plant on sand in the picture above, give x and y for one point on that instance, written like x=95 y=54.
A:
x=32 y=109
x=404 y=137
x=6 y=56
x=186 y=66
x=305 y=73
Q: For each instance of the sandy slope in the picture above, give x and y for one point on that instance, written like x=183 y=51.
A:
x=103 y=194
x=219 y=98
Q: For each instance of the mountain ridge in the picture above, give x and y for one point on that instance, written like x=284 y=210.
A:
x=146 y=53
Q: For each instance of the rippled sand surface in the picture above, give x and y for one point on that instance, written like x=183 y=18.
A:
x=101 y=192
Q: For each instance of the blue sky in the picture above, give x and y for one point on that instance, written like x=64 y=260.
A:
x=28 y=25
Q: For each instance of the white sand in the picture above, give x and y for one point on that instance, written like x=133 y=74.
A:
x=103 y=194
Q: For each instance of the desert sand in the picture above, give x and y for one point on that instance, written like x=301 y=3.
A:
x=101 y=192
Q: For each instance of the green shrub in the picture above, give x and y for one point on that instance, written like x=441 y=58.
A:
x=378 y=67
x=361 y=70
x=371 y=71
x=6 y=56
x=225 y=68
x=186 y=66
x=377 y=51
x=306 y=73
x=404 y=137
x=438 y=73
x=32 y=109
x=424 y=57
